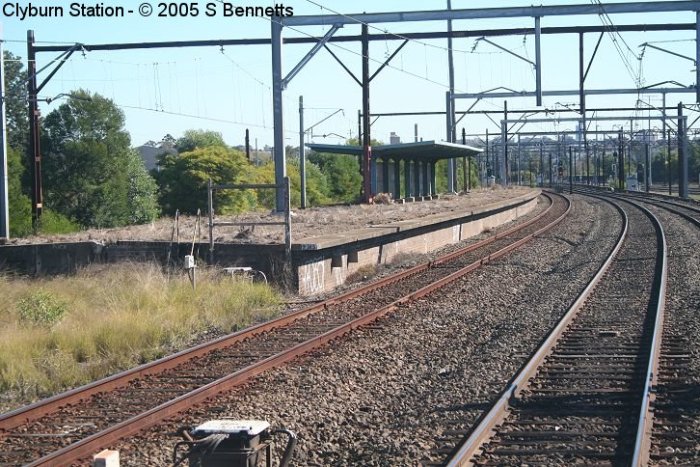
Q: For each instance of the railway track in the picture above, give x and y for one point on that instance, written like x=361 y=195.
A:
x=674 y=438
x=78 y=423
x=586 y=394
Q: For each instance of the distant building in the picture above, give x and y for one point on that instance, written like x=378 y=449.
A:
x=150 y=151
x=394 y=138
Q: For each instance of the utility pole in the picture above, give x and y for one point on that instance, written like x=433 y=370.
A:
x=466 y=164
x=302 y=153
x=34 y=141
x=682 y=154
x=451 y=128
x=620 y=162
x=4 y=202
x=366 y=148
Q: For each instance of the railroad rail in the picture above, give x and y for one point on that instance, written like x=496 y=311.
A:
x=78 y=423
x=585 y=395
x=676 y=406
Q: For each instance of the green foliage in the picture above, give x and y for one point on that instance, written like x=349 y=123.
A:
x=53 y=223
x=19 y=205
x=316 y=184
x=91 y=174
x=342 y=175
x=183 y=180
x=16 y=102
x=143 y=205
x=40 y=309
x=198 y=139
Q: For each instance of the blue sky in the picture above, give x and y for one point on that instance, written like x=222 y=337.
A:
x=169 y=91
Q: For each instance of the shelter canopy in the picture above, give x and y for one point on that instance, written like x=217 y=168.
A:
x=428 y=151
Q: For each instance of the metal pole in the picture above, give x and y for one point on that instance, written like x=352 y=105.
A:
x=550 y=170
x=366 y=149
x=466 y=164
x=571 y=172
x=667 y=137
x=621 y=162
x=682 y=154
x=538 y=62
x=647 y=169
x=302 y=153
x=449 y=125
x=210 y=204
x=4 y=201
x=503 y=176
x=34 y=140
x=247 y=144
x=541 y=164
x=278 y=150
x=697 y=57
x=488 y=161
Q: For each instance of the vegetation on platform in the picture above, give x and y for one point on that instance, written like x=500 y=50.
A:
x=66 y=331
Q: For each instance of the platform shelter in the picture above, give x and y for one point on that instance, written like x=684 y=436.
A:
x=419 y=160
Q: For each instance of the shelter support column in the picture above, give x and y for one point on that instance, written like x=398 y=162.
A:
x=407 y=178
x=397 y=178
x=433 y=178
x=416 y=179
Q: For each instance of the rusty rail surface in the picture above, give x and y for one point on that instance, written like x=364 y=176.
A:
x=91 y=444
x=485 y=430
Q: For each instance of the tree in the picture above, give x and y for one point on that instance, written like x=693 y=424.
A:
x=90 y=172
x=194 y=139
x=19 y=204
x=16 y=102
x=183 y=180
x=342 y=174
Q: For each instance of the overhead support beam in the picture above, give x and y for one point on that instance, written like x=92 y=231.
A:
x=310 y=54
x=670 y=52
x=479 y=13
x=352 y=75
x=588 y=92
x=386 y=62
x=576 y=119
x=595 y=51
x=508 y=51
x=538 y=64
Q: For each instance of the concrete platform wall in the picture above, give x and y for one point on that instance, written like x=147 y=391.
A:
x=317 y=275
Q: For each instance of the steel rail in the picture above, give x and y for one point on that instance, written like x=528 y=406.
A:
x=654 y=201
x=642 y=445
x=92 y=444
x=499 y=410
x=29 y=413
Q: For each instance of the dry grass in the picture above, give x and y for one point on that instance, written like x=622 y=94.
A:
x=65 y=331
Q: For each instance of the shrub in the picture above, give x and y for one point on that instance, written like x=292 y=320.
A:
x=40 y=309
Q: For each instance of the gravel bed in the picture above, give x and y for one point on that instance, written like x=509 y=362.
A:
x=681 y=329
x=391 y=393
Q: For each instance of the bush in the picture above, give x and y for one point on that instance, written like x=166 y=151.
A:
x=40 y=309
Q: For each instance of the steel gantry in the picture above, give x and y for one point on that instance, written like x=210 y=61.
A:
x=535 y=12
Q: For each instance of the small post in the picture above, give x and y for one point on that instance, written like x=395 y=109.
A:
x=247 y=144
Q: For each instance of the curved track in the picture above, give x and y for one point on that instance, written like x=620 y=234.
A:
x=78 y=423
x=584 y=397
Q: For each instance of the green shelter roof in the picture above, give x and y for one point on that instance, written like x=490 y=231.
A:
x=421 y=151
